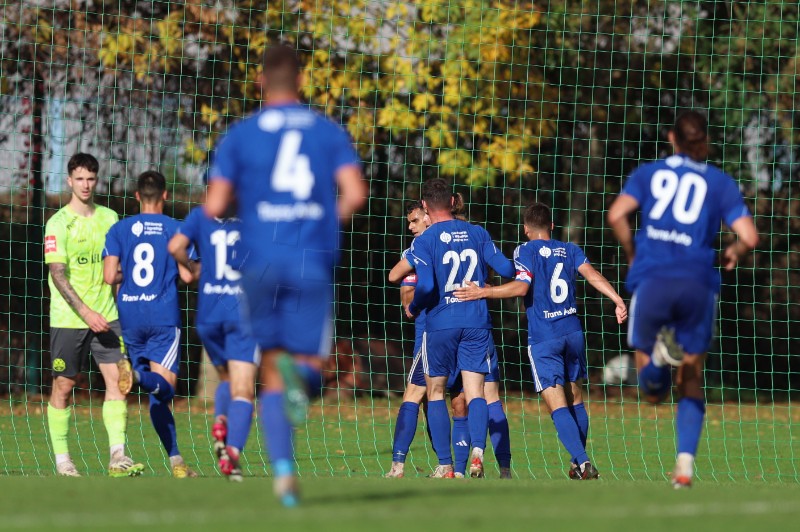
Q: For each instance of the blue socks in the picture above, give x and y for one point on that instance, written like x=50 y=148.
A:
x=478 y=419
x=240 y=417
x=156 y=385
x=689 y=424
x=405 y=430
x=222 y=398
x=164 y=423
x=569 y=434
x=439 y=421
x=654 y=380
x=312 y=377
x=581 y=418
x=278 y=432
x=498 y=432
x=461 y=444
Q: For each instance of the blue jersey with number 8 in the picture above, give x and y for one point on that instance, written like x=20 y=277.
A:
x=682 y=203
x=550 y=267
x=282 y=163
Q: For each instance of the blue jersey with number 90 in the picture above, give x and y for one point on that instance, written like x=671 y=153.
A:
x=282 y=163
x=682 y=203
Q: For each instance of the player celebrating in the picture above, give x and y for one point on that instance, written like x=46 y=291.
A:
x=283 y=164
x=220 y=328
x=83 y=316
x=148 y=307
x=458 y=335
x=546 y=272
x=407 y=417
x=672 y=273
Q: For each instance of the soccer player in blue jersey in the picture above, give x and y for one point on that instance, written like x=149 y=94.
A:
x=546 y=274
x=458 y=335
x=136 y=258
x=231 y=350
x=283 y=165
x=673 y=274
x=415 y=392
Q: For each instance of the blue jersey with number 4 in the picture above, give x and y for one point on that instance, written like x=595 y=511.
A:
x=449 y=255
x=551 y=268
x=148 y=295
x=682 y=203
x=217 y=242
x=282 y=163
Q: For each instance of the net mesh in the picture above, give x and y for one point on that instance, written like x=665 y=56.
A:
x=511 y=100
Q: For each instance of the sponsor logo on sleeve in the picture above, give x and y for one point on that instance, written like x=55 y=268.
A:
x=522 y=275
x=410 y=278
x=50 y=245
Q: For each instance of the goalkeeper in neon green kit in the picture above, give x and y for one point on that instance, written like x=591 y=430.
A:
x=83 y=316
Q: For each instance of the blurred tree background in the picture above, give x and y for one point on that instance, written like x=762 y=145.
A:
x=512 y=100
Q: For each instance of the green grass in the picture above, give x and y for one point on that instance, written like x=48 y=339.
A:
x=747 y=472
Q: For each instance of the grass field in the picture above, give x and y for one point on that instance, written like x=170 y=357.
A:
x=747 y=473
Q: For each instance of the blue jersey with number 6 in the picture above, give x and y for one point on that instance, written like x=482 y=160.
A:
x=217 y=242
x=449 y=255
x=550 y=267
x=148 y=295
x=282 y=163
x=682 y=203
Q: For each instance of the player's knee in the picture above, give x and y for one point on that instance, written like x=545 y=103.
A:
x=459 y=406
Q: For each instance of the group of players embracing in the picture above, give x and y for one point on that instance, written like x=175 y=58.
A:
x=673 y=276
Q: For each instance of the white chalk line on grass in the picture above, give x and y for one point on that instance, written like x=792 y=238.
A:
x=128 y=518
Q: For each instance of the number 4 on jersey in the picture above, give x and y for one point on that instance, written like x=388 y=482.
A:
x=292 y=170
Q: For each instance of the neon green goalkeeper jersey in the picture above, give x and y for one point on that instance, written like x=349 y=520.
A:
x=78 y=242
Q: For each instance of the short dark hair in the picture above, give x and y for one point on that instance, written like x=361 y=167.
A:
x=437 y=194
x=281 y=67
x=538 y=216
x=151 y=186
x=691 y=134
x=83 y=160
x=412 y=206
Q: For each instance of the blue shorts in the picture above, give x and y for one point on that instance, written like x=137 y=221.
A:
x=416 y=375
x=290 y=307
x=161 y=345
x=448 y=350
x=226 y=341
x=558 y=361
x=687 y=305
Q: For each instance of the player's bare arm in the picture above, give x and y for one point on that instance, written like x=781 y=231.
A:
x=352 y=191
x=400 y=271
x=619 y=219
x=601 y=284
x=406 y=295
x=96 y=322
x=745 y=229
x=178 y=247
x=473 y=291
x=112 y=274
x=218 y=197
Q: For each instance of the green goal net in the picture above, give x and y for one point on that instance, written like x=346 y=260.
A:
x=511 y=100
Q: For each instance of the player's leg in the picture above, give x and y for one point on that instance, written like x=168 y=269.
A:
x=408 y=416
x=439 y=358
x=68 y=347
x=499 y=432
x=240 y=414
x=107 y=350
x=460 y=433
x=694 y=330
x=474 y=360
x=575 y=373
x=649 y=313
x=212 y=336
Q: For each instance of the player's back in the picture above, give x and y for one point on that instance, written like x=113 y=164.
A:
x=148 y=295
x=683 y=203
x=282 y=162
x=551 y=303
x=459 y=253
x=217 y=242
